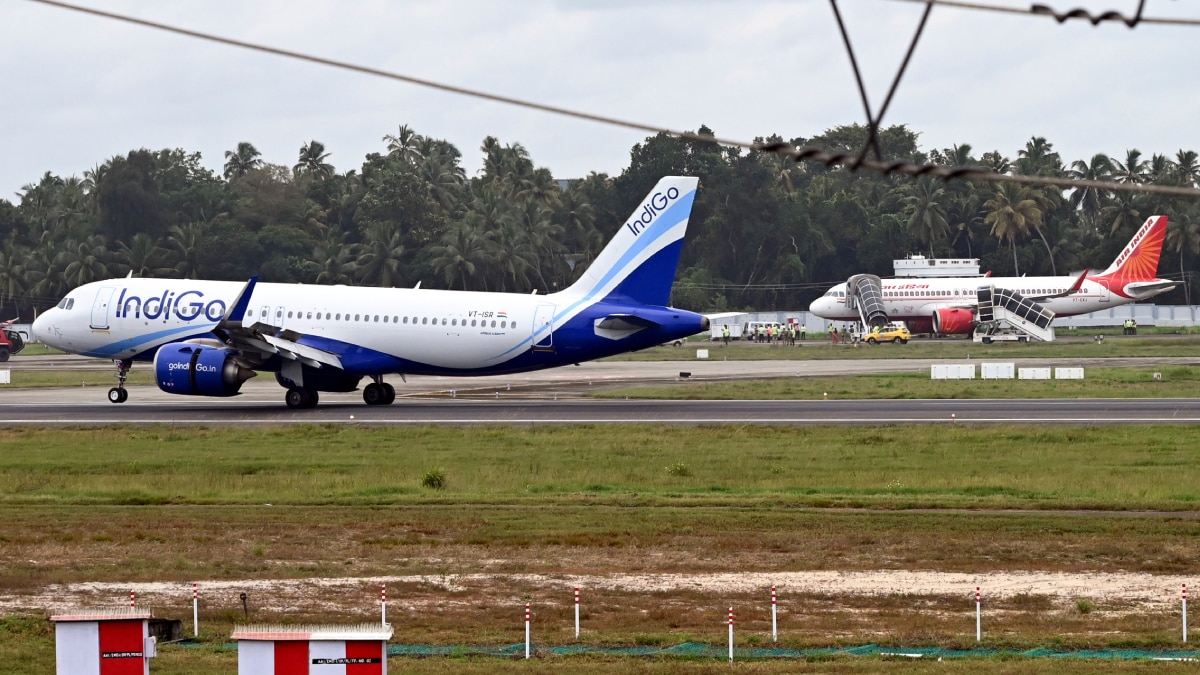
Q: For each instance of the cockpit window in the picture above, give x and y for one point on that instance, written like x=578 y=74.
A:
x=66 y=303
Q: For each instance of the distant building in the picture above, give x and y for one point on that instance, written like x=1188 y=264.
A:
x=920 y=266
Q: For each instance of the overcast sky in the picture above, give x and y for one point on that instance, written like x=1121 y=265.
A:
x=79 y=89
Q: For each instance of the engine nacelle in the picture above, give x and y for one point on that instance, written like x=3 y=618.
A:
x=953 y=321
x=198 y=370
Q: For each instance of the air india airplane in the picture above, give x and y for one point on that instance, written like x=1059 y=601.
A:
x=952 y=305
x=206 y=338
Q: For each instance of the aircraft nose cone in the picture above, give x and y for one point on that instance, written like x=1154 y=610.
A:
x=41 y=329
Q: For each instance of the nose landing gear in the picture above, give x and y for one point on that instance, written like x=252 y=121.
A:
x=119 y=394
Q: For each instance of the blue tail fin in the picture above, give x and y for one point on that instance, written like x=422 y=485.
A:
x=639 y=263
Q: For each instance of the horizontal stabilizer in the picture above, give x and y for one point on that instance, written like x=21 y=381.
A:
x=625 y=322
x=1139 y=289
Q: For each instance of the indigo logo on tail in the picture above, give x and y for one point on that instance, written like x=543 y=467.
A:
x=656 y=204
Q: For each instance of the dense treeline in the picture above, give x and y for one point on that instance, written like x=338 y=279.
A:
x=766 y=232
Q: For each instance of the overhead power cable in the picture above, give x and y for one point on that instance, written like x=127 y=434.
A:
x=851 y=161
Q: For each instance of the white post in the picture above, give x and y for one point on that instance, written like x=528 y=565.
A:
x=383 y=603
x=978 y=617
x=774 y=624
x=527 y=630
x=195 y=609
x=731 y=635
x=1185 y=612
x=576 y=612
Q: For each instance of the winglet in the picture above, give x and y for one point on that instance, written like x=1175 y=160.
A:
x=1078 y=282
x=237 y=311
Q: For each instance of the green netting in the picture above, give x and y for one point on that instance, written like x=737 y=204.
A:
x=702 y=650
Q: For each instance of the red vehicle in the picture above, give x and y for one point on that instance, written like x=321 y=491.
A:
x=10 y=341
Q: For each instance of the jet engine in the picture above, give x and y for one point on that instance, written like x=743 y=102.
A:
x=198 y=370
x=953 y=321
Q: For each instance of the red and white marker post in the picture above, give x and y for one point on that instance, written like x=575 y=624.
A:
x=527 y=630
x=132 y=599
x=576 y=612
x=383 y=604
x=978 y=617
x=731 y=635
x=774 y=624
x=195 y=609
x=1185 y=612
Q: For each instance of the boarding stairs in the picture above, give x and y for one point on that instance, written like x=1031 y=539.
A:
x=1007 y=309
x=864 y=293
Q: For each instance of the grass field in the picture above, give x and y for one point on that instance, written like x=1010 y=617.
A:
x=134 y=505
x=1172 y=382
x=518 y=506
x=924 y=348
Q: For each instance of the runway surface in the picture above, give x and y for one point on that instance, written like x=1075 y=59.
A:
x=559 y=397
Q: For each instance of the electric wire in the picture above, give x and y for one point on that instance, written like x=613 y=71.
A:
x=830 y=160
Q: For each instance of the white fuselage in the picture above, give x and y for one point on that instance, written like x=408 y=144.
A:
x=124 y=318
x=913 y=299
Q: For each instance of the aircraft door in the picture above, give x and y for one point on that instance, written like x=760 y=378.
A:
x=280 y=313
x=1105 y=291
x=264 y=314
x=100 y=308
x=543 y=328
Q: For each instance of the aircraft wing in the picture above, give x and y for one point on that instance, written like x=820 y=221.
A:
x=260 y=341
x=1070 y=291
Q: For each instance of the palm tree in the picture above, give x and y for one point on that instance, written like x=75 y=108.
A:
x=335 y=259
x=997 y=162
x=1091 y=199
x=380 y=256
x=1038 y=158
x=458 y=258
x=1122 y=213
x=1012 y=212
x=86 y=261
x=964 y=213
x=1187 y=168
x=1133 y=169
x=924 y=203
x=1183 y=236
x=183 y=248
x=312 y=161
x=403 y=145
x=142 y=256
x=241 y=161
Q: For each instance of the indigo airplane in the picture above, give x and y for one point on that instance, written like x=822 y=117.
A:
x=952 y=305
x=206 y=338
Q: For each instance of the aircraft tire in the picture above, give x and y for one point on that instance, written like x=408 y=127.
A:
x=390 y=394
x=117 y=395
x=298 y=398
x=374 y=394
x=3 y=354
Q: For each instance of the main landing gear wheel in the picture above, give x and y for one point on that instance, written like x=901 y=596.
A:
x=298 y=398
x=119 y=394
x=379 y=393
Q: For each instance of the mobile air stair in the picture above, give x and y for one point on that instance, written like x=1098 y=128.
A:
x=1007 y=315
x=864 y=292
